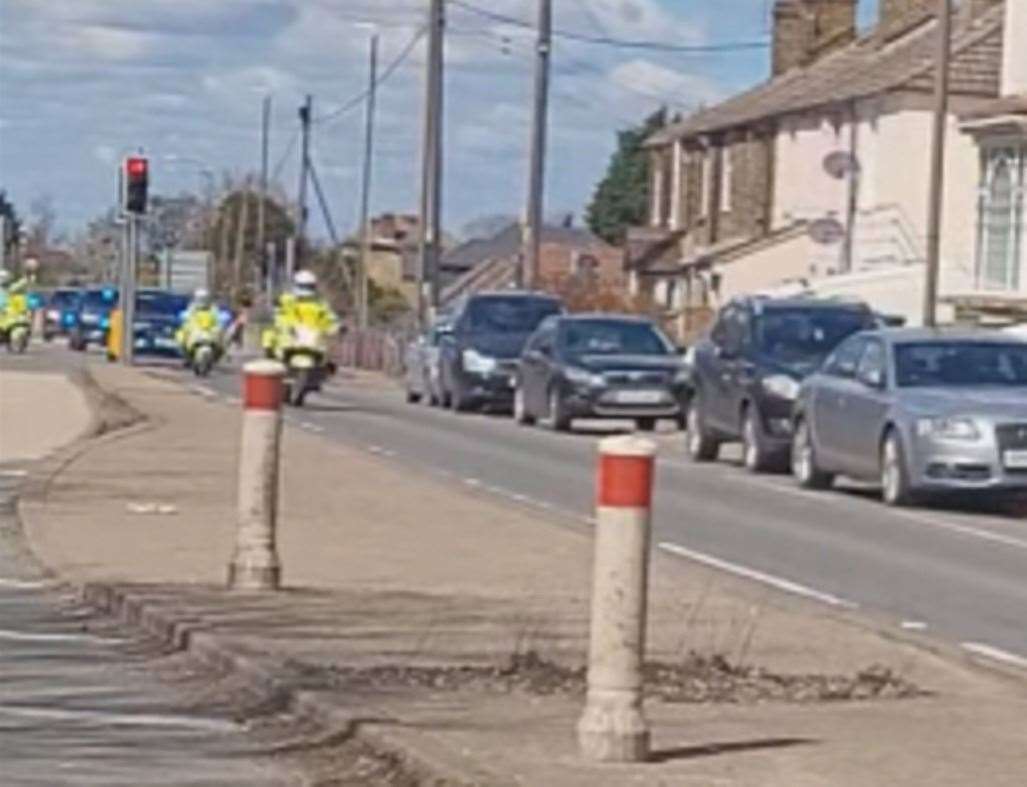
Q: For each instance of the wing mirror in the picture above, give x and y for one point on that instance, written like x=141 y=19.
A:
x=872 y=378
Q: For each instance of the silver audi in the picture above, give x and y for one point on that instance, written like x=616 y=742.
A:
x=921 y=411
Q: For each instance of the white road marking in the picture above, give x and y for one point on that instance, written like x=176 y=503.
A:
x=25 y=584
x=9 y=635
x=965 y=530
x=14 y=473
x=311 y=427
x=472 y=482
x=914 y=625
x=780 y=583
x=118 y=719
x=997 y=654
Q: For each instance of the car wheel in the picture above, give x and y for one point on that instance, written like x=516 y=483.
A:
x=895 y=487
x=804 y=460
x=702 y=447
x=559 y=420
x=413 y=397
x=755 y=456
x=646 y=424
x=521 y=414
x=457 y=401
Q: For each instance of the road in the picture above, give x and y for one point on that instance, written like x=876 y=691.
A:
x=958 y=575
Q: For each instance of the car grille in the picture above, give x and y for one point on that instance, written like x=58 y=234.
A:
x=1012 y=436
x=636 y=378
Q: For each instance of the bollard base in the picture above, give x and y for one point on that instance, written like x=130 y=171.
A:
x=242 y=577
x=609 y=733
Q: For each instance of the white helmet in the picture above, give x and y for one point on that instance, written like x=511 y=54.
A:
x=201 y=297
x=304 y=283
x=5 y=276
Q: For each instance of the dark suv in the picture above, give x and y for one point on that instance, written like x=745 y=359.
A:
x=746 y=373
x=478 y=360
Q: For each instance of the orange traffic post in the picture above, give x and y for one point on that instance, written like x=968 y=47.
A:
x=613 y=728
x=255 y=564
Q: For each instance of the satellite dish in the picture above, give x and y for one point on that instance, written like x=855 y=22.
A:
x=827 y=231
x=840 y=163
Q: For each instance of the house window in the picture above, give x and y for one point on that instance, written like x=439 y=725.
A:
x=1001 y=219
x=706 y=164
x=726 y=171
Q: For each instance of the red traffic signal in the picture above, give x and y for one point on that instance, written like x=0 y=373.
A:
x=135 y=180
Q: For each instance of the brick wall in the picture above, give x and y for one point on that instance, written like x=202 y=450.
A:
x=805 y=30
x=751 y=172
x=557 y=261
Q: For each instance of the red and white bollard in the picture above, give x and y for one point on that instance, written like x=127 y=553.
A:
x=255 y=564
x=612 y=728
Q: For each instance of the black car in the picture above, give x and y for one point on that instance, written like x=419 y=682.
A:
x=746 y=374
x=478 y=359
x=60 y=312
x=600 y=366
x=92 y=318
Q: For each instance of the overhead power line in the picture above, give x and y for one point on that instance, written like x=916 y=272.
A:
x=656 y=46
x=388 y=71
x=285 y=156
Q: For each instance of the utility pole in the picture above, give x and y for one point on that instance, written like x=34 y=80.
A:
x=129 y=270
x=365 y=199
x=937 y=194
x=265 y=135
x=431 y=164
x=537 y=176
x=301 y=220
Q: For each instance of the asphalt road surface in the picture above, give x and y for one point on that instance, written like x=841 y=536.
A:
x=959 y=575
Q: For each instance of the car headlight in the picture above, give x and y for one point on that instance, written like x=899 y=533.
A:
x=948 y=428
x=579 y=376
x=781 y=386
x=476 y=363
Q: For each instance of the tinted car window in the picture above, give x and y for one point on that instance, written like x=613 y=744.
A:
x=63 y=299
x=612 y=337
x=100 y=299
x=501 y=314
x=960 y=363
x=803 y=338
x=161 y=302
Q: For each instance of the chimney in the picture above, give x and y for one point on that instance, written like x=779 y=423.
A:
x=806 y=30
x=1014 y=61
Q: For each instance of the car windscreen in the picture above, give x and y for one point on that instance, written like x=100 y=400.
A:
x=100 y=300
x=501 y=314
x=161 y=303
x=960 y=363
x=802 y=338
x=63 y=299
x=612 y=337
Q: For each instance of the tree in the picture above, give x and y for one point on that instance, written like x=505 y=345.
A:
x=12 y=224
x=621 y=199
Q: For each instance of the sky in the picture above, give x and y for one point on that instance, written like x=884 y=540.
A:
x=82 y=82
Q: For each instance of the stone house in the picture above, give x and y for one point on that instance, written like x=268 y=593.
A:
x=821 y=171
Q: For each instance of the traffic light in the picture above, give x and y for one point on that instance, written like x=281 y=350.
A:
x=135 y=178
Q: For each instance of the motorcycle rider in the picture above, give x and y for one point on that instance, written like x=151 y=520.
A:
x=302 y=305
x=201 y=319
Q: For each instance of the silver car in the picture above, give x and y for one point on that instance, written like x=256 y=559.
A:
x=921 y=411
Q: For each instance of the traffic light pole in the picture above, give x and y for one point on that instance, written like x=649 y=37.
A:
x=126 y=299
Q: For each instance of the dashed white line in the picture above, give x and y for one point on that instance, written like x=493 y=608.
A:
x=14 y=473
x=311 y=427
x=117 y=719
x=913 y=625
x=996 y=654
x=779 y=583
x=965 y=530
x=25 y=584
x=9 y=635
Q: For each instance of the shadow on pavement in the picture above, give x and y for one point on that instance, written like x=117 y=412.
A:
x=715 y=749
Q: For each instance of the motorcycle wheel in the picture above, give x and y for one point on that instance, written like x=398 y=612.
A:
x=300 y=388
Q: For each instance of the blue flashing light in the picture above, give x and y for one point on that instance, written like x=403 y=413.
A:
x=35 y=301
x=68 y=318
x=224 y=317
x=182 y=315
x=109 y=294
x=105 y=322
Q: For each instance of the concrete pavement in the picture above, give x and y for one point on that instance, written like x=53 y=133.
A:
x=80 y=701
x=390 y=567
